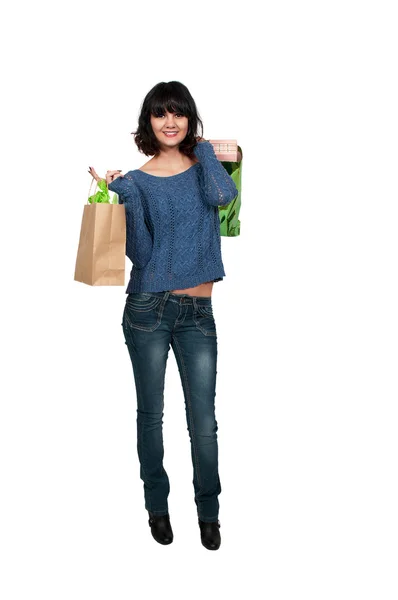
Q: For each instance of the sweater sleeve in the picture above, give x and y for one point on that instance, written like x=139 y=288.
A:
x=139 y=242
x=219 y=187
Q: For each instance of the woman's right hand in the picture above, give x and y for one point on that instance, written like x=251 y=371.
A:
x=112 y=175
x=109 y=177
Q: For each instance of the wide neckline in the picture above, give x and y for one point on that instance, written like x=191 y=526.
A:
x=169 y=176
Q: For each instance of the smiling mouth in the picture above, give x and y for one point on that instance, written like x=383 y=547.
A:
x=170 y=133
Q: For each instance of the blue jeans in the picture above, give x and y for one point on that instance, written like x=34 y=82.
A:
x=151 y=322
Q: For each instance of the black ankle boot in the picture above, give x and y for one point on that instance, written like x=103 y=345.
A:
x=161 y=528
x=210 y=534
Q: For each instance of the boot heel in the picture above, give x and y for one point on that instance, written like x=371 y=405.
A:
x=210 y=534
x=161 y=528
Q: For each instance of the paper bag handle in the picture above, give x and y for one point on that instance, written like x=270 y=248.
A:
x=95 y=189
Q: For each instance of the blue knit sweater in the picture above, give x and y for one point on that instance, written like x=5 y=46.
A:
x=172 y=223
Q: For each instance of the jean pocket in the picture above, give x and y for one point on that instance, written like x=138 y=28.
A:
x=204 y=319
x=143 y=311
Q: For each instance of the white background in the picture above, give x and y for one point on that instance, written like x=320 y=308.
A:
x=306 y=316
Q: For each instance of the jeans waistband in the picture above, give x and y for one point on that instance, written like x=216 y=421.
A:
x=179 y=298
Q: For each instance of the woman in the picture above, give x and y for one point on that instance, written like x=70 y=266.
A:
x=173 y=241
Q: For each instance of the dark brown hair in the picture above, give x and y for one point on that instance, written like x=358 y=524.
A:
x=172 y=96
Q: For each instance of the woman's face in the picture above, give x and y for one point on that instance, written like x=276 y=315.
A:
x=173 y=123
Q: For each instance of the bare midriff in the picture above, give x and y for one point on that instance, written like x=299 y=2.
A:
x=203 y=289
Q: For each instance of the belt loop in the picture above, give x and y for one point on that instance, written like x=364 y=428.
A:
x=194 y=303
x=166 y=296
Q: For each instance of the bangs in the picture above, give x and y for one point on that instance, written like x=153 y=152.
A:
x=169 y=99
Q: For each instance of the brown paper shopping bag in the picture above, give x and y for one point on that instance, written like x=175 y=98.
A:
x=102 y=246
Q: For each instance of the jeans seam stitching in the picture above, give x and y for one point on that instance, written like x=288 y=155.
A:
x=141 y=437
x=148 y=329
x=202 y=329
x=190 y=410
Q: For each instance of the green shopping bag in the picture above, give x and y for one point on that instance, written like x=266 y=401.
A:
x=229 y=215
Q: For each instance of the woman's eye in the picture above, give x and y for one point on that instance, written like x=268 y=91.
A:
x=176 y=114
